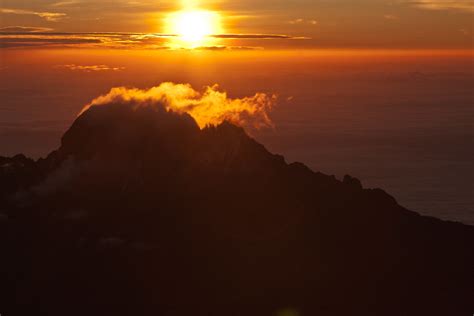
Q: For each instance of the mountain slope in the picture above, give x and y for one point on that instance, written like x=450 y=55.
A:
x=139 y=212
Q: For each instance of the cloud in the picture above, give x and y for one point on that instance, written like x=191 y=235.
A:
x=48 y=16
x=465 y=5
x=222 y=36
x=91 y=68
x=12 y=40
x=24 y=29
x=228 y=48
x=254 y=36
x=208 y=107
x=303 y=21
x=296 y=21
x=18 y=38
x=65 y=3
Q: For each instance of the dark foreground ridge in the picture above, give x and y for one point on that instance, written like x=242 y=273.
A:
x=139 y=212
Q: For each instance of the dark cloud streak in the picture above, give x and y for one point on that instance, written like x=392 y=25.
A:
x=255 y=36
x=13 y=37
x=24 y=29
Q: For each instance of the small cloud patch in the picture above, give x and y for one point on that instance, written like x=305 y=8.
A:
x=89 y=68
x=303 y=21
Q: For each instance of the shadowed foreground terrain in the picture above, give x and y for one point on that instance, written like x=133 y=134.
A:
x=139 y=212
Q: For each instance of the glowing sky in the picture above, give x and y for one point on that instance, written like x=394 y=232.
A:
x=323 y=23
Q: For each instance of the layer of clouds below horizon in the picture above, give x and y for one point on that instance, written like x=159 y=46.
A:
x=368 y=23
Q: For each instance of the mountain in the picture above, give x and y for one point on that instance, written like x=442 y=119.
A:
x=140 y=212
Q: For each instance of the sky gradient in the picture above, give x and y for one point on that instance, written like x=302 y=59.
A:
x=379 y=89
x=424 y=24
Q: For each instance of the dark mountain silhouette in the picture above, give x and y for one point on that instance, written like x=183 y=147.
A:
x=139 y=212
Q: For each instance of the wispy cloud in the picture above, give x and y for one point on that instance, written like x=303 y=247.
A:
x=89 y=68
x=255 y=36
x=48 y=16
x=65 y=3
x=25 y=29
x=465 y=5
x=17 y=38
x=303 y=21
x=229 y=48
x=31 y=39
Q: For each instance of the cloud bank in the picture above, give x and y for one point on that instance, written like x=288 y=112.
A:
x=210 y=107
x=13 y=36
x=466 y=5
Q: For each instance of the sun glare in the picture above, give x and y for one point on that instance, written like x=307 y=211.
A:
x=194 y=28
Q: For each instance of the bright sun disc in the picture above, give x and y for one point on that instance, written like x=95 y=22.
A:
x=194 y=27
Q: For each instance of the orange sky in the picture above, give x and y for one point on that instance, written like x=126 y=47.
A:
x=400 y=24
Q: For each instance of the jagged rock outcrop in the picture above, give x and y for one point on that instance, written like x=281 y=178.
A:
x=139 y=212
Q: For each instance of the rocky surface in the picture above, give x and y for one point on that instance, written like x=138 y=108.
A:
x=139 y=212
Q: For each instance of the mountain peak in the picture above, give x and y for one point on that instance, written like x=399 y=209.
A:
x=159 y=217
x=120 y=127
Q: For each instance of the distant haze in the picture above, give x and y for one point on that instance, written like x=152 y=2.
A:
x=402 y=121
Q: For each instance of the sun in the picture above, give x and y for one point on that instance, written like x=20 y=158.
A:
x=193 y=28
